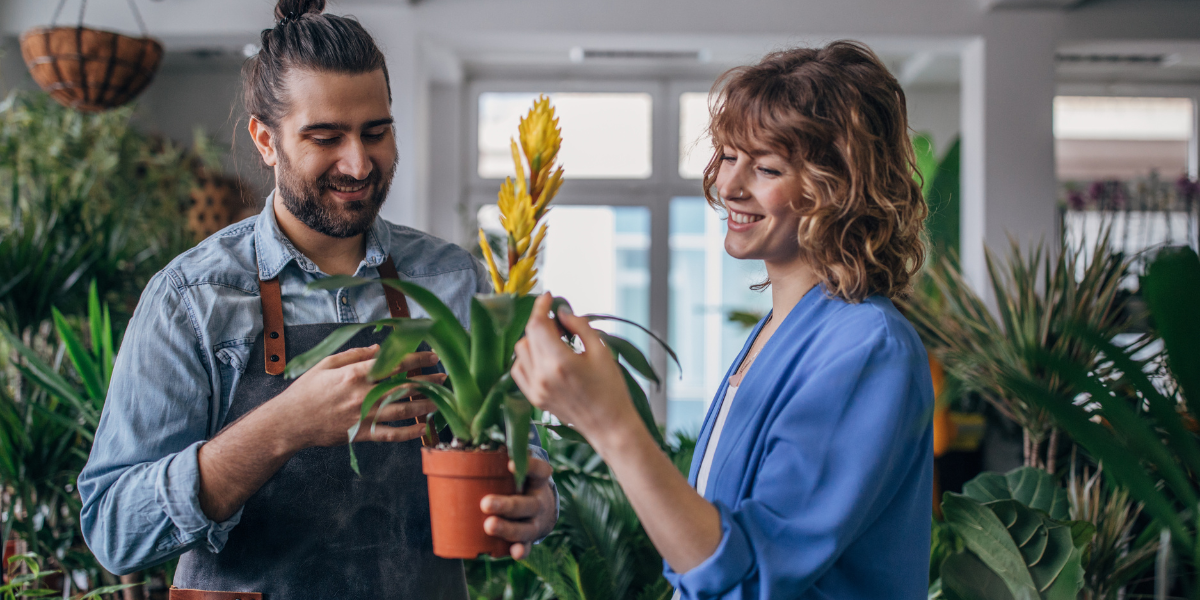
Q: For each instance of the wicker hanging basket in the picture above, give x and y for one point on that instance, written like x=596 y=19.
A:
x=89 y=69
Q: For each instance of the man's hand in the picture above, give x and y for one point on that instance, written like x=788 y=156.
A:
x=326 y=401
x=316 y=410
x=524 y=518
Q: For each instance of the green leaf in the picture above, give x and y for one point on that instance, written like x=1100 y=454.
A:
x=106 y=590
x=567 y=433
x=42 y=374
x=107 y=355
x=517 y=411
x=642 y=404
x=1171 y=287
x=654 y=336
x=489 y=413
x=301 y=364
x=441 y=397
x=1032 y=487
x=437 y=309
x=595 y=577
x=984 y=535
x=621 y=348
x=1070 y=579
x=404 y=339
x=522 y=309
x=487 y=345
x=95 y=320
x=557 y=568
x=965 y=577
x=80 y=357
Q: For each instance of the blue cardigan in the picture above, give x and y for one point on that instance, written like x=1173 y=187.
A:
x=823 y=475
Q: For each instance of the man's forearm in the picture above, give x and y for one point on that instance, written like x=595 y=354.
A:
x=236 y=463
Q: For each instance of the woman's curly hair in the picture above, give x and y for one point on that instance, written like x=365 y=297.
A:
x=839 y=116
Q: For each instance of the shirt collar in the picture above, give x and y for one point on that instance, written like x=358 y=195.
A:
x=274 y=250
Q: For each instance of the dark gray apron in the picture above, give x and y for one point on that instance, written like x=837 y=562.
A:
x=316 y=530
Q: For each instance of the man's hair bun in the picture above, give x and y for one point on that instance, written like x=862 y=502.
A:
x=294 y=9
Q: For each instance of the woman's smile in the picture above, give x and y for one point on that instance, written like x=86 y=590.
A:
x=742 y=221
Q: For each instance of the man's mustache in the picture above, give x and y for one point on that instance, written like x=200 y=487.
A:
x=347 y=181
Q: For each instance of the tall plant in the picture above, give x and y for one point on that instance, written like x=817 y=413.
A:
x=482 y=404
x=1125 y=418
x=1038 y=296
x=85 y=196
x=45 y=437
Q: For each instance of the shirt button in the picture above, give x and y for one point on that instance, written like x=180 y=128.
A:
x=345 y=300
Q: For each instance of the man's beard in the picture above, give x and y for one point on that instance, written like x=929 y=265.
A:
x=306 y=200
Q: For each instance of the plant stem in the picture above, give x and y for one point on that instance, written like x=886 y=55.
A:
x=1052 y=451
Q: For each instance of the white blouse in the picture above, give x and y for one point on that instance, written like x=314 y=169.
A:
x=711 y=449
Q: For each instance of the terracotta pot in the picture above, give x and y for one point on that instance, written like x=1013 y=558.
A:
x=458 y=481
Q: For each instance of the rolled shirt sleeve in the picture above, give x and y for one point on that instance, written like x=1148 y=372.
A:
x=836 y=453
x=140 y=487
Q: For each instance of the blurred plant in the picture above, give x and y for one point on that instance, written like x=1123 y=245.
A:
x=1137 y=427
x=940 y=178
x=86 y=197
x=1015 y=540
x=24 y=575
x=1038 y=295
x=45 y=436
x=598 y=550
x=1112 y=558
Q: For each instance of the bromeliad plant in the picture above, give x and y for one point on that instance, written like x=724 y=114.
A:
x=482 y=404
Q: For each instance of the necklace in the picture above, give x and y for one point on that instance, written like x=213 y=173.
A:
x=746 y=363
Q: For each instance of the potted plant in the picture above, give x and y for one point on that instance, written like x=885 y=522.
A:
x=482 y=406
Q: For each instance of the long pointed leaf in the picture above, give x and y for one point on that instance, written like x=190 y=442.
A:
x=301 y=364
x=517 y=411
x=522 y=309
x=487 y=345
x=642 y=404
x=80 y=357
x=661 y=342
x=489 y=414
x=404 y=339
x=622 y=348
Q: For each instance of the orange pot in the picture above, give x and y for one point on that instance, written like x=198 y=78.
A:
x=458 y=481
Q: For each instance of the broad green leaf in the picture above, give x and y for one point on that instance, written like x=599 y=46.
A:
x=442 y=337
x=404 y=339
x=1170 y=288
x=489 y=413
x=437 y=309
x=522 y=309
x=621 y=348
x=517 y=412
x=80 y=357
x=642 y=404
x=984 y=535
x=1070 y=579
x=1032 y=487
x=1082 y=533
x=501 y=308
x=965 y=577
x=1060 y=547
x=487 y=345
x=301 y=364
x=441 y=397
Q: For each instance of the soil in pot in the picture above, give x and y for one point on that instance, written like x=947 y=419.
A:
x=458 y=481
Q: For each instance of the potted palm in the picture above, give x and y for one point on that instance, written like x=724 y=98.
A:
x=482 y=407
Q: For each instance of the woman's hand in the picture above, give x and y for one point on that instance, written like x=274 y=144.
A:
x=587 y=389
x=524 y=518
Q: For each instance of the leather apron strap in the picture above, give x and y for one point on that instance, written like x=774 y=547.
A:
x=181 y=594
x=275 y=354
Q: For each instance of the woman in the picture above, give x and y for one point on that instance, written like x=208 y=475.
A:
x=813 y=471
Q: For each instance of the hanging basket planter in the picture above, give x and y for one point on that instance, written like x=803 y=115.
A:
x=90 y=70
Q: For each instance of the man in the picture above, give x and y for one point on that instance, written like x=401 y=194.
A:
x=204 y=449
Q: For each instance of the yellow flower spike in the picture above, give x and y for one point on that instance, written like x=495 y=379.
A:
x=523 y=202
x=497 y=283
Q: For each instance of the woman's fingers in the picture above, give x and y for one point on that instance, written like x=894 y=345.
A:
x=582 y=328
x=513 y=531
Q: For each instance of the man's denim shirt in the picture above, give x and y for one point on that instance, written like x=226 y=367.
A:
x=186 y=348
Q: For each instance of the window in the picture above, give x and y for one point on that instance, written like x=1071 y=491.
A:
x=609 y=133
x=695 y=145
x=1099 y=137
